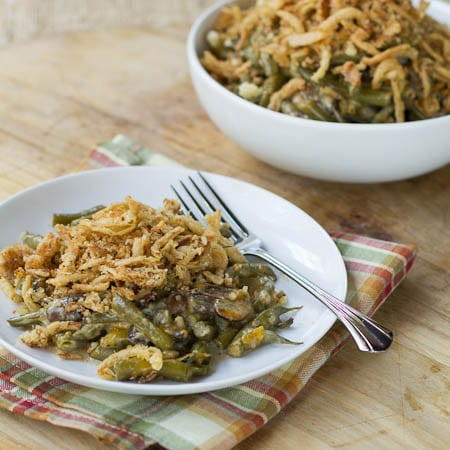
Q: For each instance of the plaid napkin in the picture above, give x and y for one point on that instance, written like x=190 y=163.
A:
x=213 y=420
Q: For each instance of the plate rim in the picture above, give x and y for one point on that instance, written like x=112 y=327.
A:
x=180 y=388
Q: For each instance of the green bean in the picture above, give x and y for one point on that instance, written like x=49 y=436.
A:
x=414 y=112
x=67 y=343
x=256 y=270
x=30 y=239
x=304 y=73
x=226 y=332
x=176 y=370
x=251 y=55
x=285 y=324
x=294 y=67
x=372 y=97
x=247 y=339
x=116 y=338
x=328 y=80
x=206 y=354
x=130 y=369
x=271 y=85
x=204 y=351
x=261 y=290
x=101 y=353
x=383 y=114
x=366 y=114
x=269 y=66
x=252 y=338
x=225 y=336
x=364 y=95
x=128 y=312
x=102 y=318
x=170 y=354
x=19 y=288
x=201 y=356
x=250 y=270
x=355 y=112
x=347 y=108
x=68 y=219
x=25 y=320
x=252 y=335
x=337 y=84
x=270 y=337
x=89 y=332
x=338 y=60
x=271 y=317
x=313 y=110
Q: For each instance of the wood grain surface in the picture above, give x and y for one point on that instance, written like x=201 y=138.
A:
x=24 y=19
x=61 y=95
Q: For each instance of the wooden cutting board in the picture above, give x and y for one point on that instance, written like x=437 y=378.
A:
x=61 y=95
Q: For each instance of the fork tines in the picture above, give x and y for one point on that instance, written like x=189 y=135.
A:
x=199 y=198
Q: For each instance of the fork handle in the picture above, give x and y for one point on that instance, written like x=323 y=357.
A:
x=369 y=335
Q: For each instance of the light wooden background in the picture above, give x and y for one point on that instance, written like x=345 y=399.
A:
x=24 y=19
x=62 y=94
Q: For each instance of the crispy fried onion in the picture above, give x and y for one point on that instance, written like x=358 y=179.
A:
x=290 y=88
x=128 y=248
x=317 y=34
x=392 y=71
x=223 y=69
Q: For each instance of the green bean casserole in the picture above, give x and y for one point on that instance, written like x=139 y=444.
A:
x=148 y=292
x=360 y=61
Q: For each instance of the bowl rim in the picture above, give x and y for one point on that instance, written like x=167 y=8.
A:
x=195 y=64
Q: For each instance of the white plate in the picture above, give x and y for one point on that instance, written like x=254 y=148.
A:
x=287 y=231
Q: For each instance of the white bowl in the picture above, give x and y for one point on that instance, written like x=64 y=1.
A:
x=364 y=153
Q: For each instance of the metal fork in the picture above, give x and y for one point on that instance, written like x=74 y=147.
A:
x=368 y=334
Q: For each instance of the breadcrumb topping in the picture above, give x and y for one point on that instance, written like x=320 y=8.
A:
x=41 y=336
x=127 y=248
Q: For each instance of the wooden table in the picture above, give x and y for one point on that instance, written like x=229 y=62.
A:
x=61 y=95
